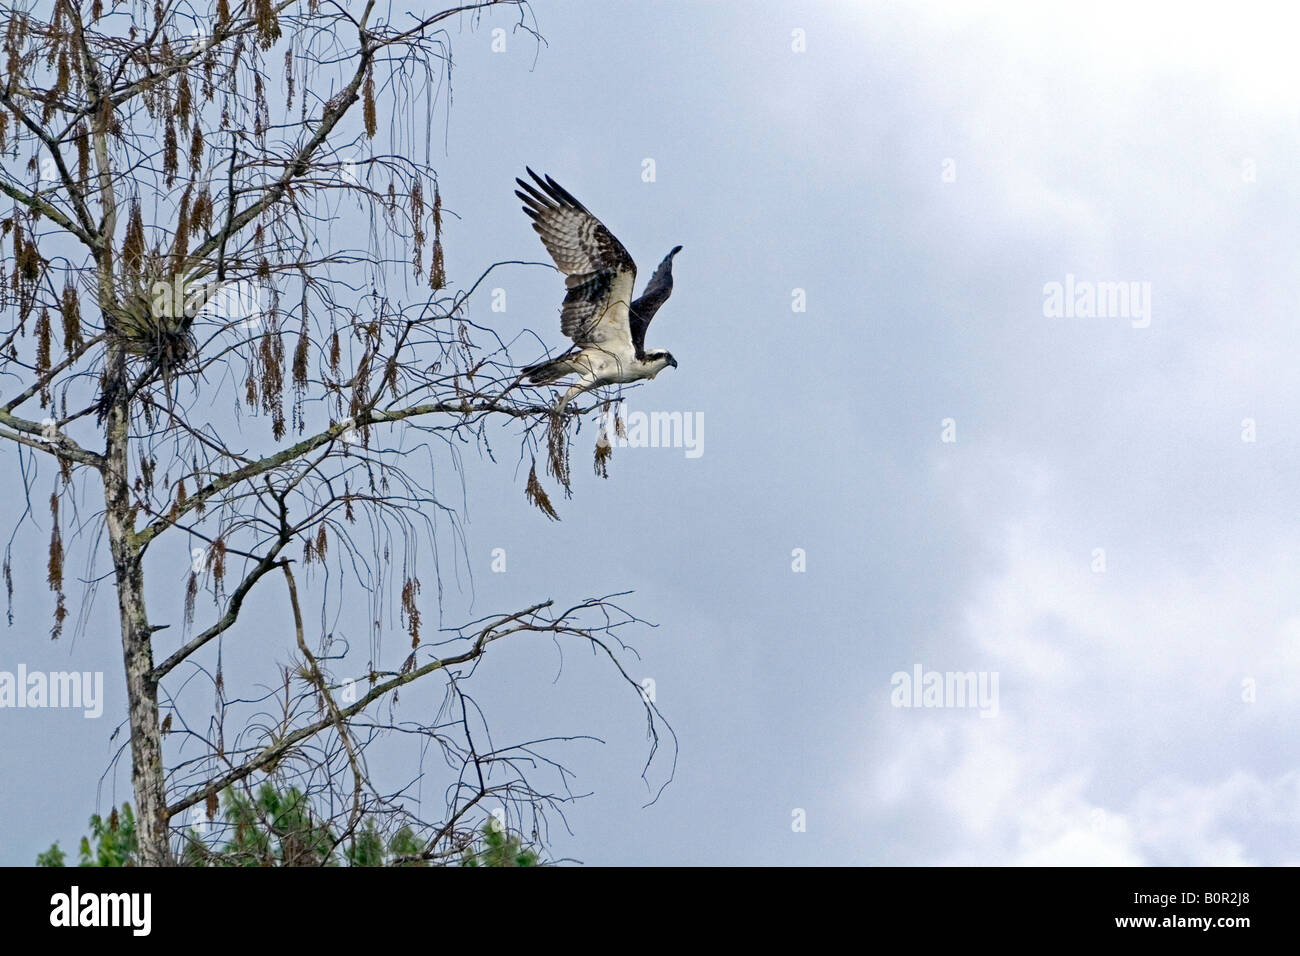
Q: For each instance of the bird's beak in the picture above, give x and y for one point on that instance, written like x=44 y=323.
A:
x=672 y=362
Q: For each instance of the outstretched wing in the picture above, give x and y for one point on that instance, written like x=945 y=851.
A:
x=656 y=293
x=599 y=274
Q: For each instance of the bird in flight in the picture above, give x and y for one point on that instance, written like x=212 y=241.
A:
x=606 y=324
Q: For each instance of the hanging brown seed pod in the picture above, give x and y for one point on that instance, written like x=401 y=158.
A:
x=411 y=608
x=43 y=350
x=300 y=355
x=536 y=494
x=181 y=240
x=70 y=307
x=217 y=559
x=83 y=152
x=369 y=110
x=171 y=162
x=133 y=241
x=437 y=269
x=268 y=23
x=54 y=568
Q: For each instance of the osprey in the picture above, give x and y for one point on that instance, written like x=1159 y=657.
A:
x=606 y=324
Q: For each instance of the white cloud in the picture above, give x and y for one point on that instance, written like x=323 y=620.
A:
x=1123 y=737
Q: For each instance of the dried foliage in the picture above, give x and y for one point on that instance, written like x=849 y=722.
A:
x=604 y=452
x=537 y=495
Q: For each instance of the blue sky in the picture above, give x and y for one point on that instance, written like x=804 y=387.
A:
x=921 y=172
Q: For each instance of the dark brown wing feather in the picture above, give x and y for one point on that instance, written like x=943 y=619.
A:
x=599 y=273
x=656 y=293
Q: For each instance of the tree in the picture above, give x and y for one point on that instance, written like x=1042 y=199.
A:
x=173 y=182
x=278 y=828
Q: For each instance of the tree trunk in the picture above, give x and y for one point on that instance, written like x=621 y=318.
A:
x=147 y=775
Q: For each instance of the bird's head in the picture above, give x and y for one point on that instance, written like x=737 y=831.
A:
x=661 y=359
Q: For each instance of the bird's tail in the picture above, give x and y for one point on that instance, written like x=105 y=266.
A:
x=543 y=373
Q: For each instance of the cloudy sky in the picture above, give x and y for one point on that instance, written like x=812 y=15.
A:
x=907 y=461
